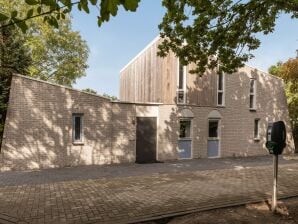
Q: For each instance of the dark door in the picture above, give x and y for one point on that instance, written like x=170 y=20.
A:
x=146 y=140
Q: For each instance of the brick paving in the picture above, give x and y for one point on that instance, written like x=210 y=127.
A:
x=131 y=193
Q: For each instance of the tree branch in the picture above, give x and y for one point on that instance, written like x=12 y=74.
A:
x=35 y=16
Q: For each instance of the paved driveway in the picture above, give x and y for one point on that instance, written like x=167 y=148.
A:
x=130 y=193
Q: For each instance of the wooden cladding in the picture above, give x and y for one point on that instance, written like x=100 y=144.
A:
x=149 y=78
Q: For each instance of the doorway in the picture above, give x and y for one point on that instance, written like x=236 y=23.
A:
x=146 y=139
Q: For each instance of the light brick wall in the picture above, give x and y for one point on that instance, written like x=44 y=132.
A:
x=237 y=122
x=38 y=129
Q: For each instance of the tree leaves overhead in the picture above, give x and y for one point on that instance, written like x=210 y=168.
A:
x=204 y=32
x=54 y=10
x=212 y=32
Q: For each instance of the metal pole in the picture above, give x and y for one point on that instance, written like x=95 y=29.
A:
x=274 y=195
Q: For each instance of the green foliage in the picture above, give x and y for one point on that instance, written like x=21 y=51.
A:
x=55 y=10
x=59 y=55
x=14 y=58
x=289 y=72
x=89 y=90
x=44 y=52
x=209 y=32
x=114 y=98
x=203 y=32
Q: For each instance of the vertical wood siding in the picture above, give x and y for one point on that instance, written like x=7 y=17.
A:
x=149 y=78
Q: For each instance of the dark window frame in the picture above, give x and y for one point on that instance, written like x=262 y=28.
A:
x=257 y=128
x=210 y=135
x=75 y=116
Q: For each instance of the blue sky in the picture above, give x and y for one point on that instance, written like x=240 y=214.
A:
x=114 y=44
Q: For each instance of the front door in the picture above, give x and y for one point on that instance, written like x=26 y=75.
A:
x=146 y=140
x=185 y=139
x=213 y=138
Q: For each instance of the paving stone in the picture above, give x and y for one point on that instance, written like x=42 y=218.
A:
x=128 y=198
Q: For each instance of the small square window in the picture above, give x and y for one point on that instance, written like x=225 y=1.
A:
x=185 y=129
x=180 y=97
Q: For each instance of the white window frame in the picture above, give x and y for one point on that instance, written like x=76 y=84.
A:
x=254 y=94
x=183 y=90
x=187 y=138
x=218 y=138
x=221 y=91
x=81 y=140
x=190 y=134
x=256 y=137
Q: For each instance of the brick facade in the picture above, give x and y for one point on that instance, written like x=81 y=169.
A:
x=38 y=128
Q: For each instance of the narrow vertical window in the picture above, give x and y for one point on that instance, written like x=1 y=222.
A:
x=77 y=126
x=256 y=129
x=181 y=84
x=252 y=94
x=220 y=89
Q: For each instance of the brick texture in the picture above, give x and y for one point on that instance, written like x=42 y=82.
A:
x=38 y=129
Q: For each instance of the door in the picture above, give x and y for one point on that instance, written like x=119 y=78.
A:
x=146 y=140
x=185 y=139
x=213 y=138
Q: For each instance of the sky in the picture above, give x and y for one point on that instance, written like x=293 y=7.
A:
x=114 y=44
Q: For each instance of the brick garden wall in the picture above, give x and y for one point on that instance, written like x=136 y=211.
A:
x=38 y=129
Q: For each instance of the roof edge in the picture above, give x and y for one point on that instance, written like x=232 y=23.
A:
x=141 y=52
x=61 y=86
x=265 y=73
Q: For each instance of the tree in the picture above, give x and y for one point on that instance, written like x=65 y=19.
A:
x=114 y=98
x=204 y=32
x=288 y=71
x=212 y=32
x=59 y=55
x=89 y=90
x=55 y=10
x=14 y=58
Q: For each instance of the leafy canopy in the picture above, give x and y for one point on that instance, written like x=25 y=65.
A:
x=58 y=55
x=204 y=32
x=209 y=32
x=14 y=58
x=55 y=10
x=288 y=71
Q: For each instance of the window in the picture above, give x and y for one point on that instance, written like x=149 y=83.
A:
x=213 y=129
x=220 y=89
x=256 y=129
x=252 y=94
x=77 y=126
x=185 y=129
x=181 y=84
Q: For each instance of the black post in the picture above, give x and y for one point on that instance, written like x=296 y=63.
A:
x=275 y=173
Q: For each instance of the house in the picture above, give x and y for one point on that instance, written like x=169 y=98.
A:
x=164 y=113
x=215 y=115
